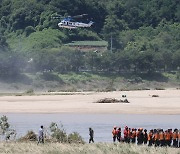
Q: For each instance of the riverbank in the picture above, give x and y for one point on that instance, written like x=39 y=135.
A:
x=99 y=148
x=141 y=102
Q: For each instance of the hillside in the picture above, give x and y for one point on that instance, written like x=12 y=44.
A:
x=144 y=36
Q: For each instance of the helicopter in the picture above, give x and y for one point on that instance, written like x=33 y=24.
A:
x=70 y=22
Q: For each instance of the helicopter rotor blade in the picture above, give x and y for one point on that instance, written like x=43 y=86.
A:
x=56 y=16
x=79 y=16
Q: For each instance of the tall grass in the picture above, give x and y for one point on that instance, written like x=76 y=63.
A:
x=99 y=148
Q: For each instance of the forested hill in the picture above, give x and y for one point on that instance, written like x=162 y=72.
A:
x=145 y=35
x=111 y=17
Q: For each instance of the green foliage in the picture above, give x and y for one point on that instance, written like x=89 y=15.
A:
x=5 y=129
x=11 y=64
x=48 y=76
x=30 y=136
x=30 y=92
x=75 y=138
x=60 y=135
x=145 y=36
x=4 y=125
x=47 y=38
x=57 y=133
x=29 y=30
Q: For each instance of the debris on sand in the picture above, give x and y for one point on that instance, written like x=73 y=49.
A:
x=155 y=95
x=123 y=95
x=112 y=100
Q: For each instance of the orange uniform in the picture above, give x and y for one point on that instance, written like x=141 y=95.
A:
x=175 y=135
x=156 y=136
x=150 y=138
x=167 y=136
x=114 y=132
x=171 y=134
x=133 y=135
x=150 y=135
x=137 y=134
x=161 y=136
x=129 y=133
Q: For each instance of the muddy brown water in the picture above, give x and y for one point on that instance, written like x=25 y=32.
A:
x=101 y=123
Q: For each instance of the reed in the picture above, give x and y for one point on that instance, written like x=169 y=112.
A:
x=98 y=148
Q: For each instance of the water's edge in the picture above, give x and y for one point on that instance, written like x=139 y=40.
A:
x=101 y=123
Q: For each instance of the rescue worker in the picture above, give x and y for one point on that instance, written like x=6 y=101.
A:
x=129 y=135
x=167 y=138
x=126 y=134
x=156 y=137
x=141 y=136
x=179 y=139
x=161 y=138
x=119 y=134
x=137 y=135
x=171 y=136
x=114 y=133
x=150 y=137
x=145 y=139
x=41 y=135
x=175 y=138
x=133 y=136
x=91 y=135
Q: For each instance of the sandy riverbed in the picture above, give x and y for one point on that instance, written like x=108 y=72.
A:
x=141 y=102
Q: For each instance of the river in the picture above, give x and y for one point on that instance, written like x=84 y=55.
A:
x=101 y=123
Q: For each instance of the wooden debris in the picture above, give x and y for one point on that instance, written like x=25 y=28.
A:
x=155 y=95
x=112 y=100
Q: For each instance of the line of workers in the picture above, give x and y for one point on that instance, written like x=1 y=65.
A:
x=157 y=137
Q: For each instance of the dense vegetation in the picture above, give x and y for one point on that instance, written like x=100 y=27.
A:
x=145 y=36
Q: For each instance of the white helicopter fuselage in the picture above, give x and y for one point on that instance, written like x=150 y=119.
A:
x=73 y=25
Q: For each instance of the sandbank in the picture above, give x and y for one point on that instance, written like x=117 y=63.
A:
x=141 y=102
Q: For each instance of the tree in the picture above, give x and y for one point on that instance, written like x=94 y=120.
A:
x=5 y=129
x=176 y=59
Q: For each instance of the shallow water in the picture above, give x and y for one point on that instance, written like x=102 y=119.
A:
x=101 y=123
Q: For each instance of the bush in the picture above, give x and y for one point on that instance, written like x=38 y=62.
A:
x=30 y=136
x=57 y=133
x=75 y=138
x=159 y=88
x=178 y=75
x=30 y=92
x=29 y=30
x=51 y=77
x=5 y=129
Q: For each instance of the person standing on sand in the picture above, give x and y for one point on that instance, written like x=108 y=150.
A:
x=114 y=133
x=145 y=139
x=41 y=135
x=126 y=134
x=179 y=138
x=133 y=136
x=91 y=135
x=150 y=137
x=119 y=134
x=175 y=138
x=161 y=138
